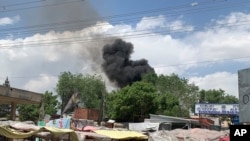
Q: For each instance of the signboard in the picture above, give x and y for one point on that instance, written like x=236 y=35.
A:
x=244 y=94
x=235 y=120
x=217 y=109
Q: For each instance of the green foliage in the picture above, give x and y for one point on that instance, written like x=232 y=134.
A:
x=90 y=87
x=163 y=94
x=31 y=112
x=229 y=99
x=5 y=110
x=217 y=96
x=132 y=102
x=92 y=91
x=66 y=86
x=51 y=104
x=28 y=112
x=172 y=88
x=150 y=78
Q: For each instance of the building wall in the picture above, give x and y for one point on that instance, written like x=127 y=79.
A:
x=85 y=113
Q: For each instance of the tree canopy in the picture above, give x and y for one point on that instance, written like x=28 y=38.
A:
x=164 y=94
x=174 y=88
x=132 y=103
x=31 y=112
x=90 y=87
x=217 y=96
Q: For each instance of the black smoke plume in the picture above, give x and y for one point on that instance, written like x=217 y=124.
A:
x=118 y=66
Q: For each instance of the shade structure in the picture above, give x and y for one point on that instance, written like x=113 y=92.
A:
x=13 y=96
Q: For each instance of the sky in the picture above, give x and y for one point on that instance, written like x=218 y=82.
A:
x=204 y=41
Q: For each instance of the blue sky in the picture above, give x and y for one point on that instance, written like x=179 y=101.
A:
x=197 y=12
x=205 y=41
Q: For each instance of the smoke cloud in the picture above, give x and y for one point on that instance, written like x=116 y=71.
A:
x=118 y=66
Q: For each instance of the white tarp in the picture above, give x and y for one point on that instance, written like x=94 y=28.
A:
x=144 y=126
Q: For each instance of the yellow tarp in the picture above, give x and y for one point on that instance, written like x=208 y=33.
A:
x=60 y=131
x=116 y=134
x=14 y=134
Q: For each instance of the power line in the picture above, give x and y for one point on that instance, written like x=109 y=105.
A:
x=55 y=25
x=89 y=20
x=33 y=7
x=165 y=66
x=135 y=34
x=24 y=3
x=202 y=62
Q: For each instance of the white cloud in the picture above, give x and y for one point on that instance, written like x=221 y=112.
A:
x=42 y=83
x=160 y=23
x=151 y=22
x=166 y=53
x=178 y=25
x=234 y=19
x=8 y=20
x=219 y=80
x=40 y=55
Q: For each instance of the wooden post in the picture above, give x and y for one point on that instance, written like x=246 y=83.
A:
x=12 y=114
x=13 y=111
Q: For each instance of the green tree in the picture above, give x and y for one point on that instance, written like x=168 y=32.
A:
x=132 y=102
x=90 y=87
x=217 y=96
x=168 y=104
x=174 y=86
x=229 y=99
x=66 y=86
x=51 y=104
x=28 y=112
x=31 y=111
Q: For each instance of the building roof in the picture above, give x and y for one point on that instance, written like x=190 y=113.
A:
x=163 y=118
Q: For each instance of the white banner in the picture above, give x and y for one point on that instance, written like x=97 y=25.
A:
x=218 y=109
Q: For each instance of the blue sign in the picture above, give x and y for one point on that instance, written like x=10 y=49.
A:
x=217 y=109
x=235 y=120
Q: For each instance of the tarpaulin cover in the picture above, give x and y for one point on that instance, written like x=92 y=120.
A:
x=118 y=134
x=82 y=136
x=60 y=123
x=9 y=132
x=195 y=134
x=12 y=133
